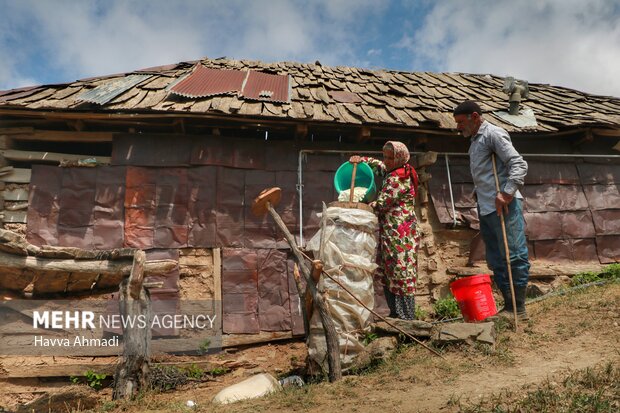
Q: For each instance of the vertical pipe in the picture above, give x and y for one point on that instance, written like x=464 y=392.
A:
x=450 y=188
x=300 y=192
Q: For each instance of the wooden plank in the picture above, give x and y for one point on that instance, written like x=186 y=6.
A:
x=17 y=176
x=16 y=131
x=65 y=136
x=217 y=275
x=19 y=194
x=14 y=216
x=51 y=157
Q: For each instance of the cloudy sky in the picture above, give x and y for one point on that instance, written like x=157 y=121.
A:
x=571 y=43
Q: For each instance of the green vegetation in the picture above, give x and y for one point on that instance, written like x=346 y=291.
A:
x=446 y=308
x=368 y=338
x=95 y=380
x=610 y=273
x=420 y=313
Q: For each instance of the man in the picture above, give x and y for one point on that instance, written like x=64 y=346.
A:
x=487 y=139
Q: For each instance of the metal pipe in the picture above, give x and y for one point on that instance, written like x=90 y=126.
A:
x=451 y=195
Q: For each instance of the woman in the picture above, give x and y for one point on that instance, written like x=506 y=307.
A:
x=398 y=230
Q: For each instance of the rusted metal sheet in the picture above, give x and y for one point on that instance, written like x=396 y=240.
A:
x=201 y=206
x=239 y=291
x=142 y=150
x=265 y=86
x=608 y=248
x=273 y=298
x=44 y=205
x=599 y=173
x=204 y=82
x=541 y=198
x=607 y=222
x=259 y=232
x=104 y=93
x=540 y=172
x=602 y=196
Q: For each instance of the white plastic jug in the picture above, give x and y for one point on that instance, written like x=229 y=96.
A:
x=255 y=386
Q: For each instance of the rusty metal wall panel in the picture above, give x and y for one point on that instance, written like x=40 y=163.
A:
x=171 y=212
x=213 y=150
x=201 y=206
x=459 y=170
x=607 y=222
x=540 y=172
x=547 y=197
x=44 y=205
x=577 y=224
x=230 y=214
x=602 y=196
x=599 y=174
x=248 y=154
x=109 y=211
x=608 y=248
x=280 y=156
x=145 y=150
x=288 y=207
x=323 y=162
x=259 y=232
x=240 y=291
x=204 y=82
x=566 y=250
x=140 y=207
x=273 y=298
x=264 y=86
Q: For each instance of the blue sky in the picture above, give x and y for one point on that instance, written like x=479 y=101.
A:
x=571 y=43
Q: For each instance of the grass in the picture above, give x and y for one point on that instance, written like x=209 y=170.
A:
x=589 y=390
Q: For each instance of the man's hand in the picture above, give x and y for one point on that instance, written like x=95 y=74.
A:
x=355 y=159
x=501 y=202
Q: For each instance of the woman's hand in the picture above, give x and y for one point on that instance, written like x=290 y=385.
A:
x=355 y=159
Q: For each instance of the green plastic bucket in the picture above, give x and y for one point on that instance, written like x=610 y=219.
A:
x=364 y=177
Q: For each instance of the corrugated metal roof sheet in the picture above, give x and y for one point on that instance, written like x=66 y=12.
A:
x=208 y=82
x=264 y=86
x=104 y=93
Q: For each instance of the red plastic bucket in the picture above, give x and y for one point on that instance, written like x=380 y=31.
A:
x=474 y=296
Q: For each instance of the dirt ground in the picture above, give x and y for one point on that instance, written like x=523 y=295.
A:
x=565 y=333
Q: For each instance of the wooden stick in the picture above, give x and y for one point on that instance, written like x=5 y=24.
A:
x=331 y=337
x=507 y=249
x=353 y=181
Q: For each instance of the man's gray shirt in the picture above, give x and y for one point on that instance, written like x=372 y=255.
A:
x=511 y=168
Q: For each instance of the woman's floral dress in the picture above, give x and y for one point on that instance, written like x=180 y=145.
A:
x=398 y=236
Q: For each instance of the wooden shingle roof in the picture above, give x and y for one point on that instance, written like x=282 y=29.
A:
x=318 y=93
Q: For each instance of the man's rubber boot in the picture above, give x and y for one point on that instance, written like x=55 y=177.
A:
x=505 y=312
x=520 y=293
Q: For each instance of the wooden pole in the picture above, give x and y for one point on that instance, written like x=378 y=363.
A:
x=507 y=249
x=132 y=374
x=331 y=336
x=353 y=181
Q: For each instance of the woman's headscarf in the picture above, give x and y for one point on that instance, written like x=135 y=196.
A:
x=401 y=153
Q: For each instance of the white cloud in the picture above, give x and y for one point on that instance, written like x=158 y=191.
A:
x=83 y=38
x=571 y=43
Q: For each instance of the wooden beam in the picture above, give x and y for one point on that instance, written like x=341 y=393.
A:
x=19 y=194
x=64 y=136
x=16 y=175
x=81 y=266
x=51 y=157
x=16 y=131
x=301 y=131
